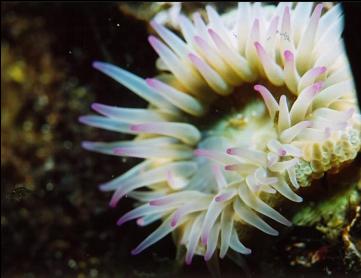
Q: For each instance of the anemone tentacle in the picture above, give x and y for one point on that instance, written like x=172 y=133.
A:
x=206 y=183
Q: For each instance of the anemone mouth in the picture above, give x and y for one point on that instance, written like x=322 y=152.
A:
x=231 y=124
x=232 y=108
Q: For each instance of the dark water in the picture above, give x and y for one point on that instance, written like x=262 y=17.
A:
x=54 y=221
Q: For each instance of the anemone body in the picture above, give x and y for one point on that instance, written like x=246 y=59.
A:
x=289 y=115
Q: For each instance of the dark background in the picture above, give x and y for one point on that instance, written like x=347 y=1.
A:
x=54 y=221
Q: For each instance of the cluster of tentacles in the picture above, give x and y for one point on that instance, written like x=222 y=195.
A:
x=207 y=183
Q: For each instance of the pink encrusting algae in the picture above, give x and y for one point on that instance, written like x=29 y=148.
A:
x=207 y=183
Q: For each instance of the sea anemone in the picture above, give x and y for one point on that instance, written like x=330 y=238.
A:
x=249 y=106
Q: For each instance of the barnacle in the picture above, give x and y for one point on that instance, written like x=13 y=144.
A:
x=205 y=174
